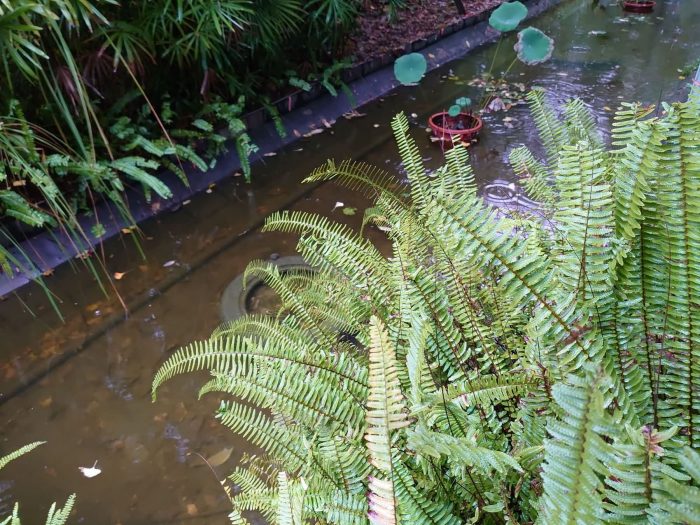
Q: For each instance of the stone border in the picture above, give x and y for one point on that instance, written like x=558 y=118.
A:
x=53 y=248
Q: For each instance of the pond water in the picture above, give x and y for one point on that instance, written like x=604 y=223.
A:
x=84 y=386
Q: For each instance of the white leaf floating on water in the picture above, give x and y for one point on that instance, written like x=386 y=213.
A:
x=338 y=205
x=90 y=472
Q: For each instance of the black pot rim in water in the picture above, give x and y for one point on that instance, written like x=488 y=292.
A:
x=234 y=299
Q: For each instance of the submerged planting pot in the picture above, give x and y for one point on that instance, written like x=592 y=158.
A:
x=638 y=7
x=464 y=127
x=237 y=300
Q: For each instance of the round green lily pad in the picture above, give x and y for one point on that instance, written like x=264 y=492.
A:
x=463 y=102
x=533 y=46
x=455 y=110
x=410 y=68
x=507 y=16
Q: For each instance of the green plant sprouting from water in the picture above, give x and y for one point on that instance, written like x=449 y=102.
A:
x=540 y=366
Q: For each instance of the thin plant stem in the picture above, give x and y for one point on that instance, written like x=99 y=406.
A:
x=493 y=60
x=503 y=76
x=509 y=67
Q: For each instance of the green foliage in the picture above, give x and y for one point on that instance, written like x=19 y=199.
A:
x=409 y=69
x=529 y=367
x=533 y=46
x=507 y=16
x=56 y=515
x=100 y=95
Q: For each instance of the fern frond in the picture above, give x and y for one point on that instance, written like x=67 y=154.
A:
x=534 y=176
x=552 y=132
x=59 y=516
x=489 y=389
x=386 y=412
x=262 y=431
x=581 y=124
x=575 y=453
x=681 y=501
x=462 y=452
x=358 y=177
x=4 y=460
x=290 y=501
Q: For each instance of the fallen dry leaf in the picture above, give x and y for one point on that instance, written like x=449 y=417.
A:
x=313 y=132
x=353 y=114
x=90 y=472
x=220 y=457
x=118 y=275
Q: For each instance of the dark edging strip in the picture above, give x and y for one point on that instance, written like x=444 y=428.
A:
x=51 y=249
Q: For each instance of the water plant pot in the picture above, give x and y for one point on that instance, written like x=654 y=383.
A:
x=637 y=6
x=464 y=127
x=236 y=298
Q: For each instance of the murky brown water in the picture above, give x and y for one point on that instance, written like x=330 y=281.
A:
x=93 y=401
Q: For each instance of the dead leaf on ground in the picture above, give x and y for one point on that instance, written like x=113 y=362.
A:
x=118 y=275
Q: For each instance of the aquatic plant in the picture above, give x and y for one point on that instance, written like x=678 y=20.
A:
x=533 y=46
x=507 y=16
x=523 y=367
x=410 y=69
x=461 y=104
x=56 y=516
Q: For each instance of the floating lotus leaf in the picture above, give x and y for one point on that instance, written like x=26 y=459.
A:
x=464 y=102
x=455 y=110
x=533 y=46
x=410 y=68
x=507 y=16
